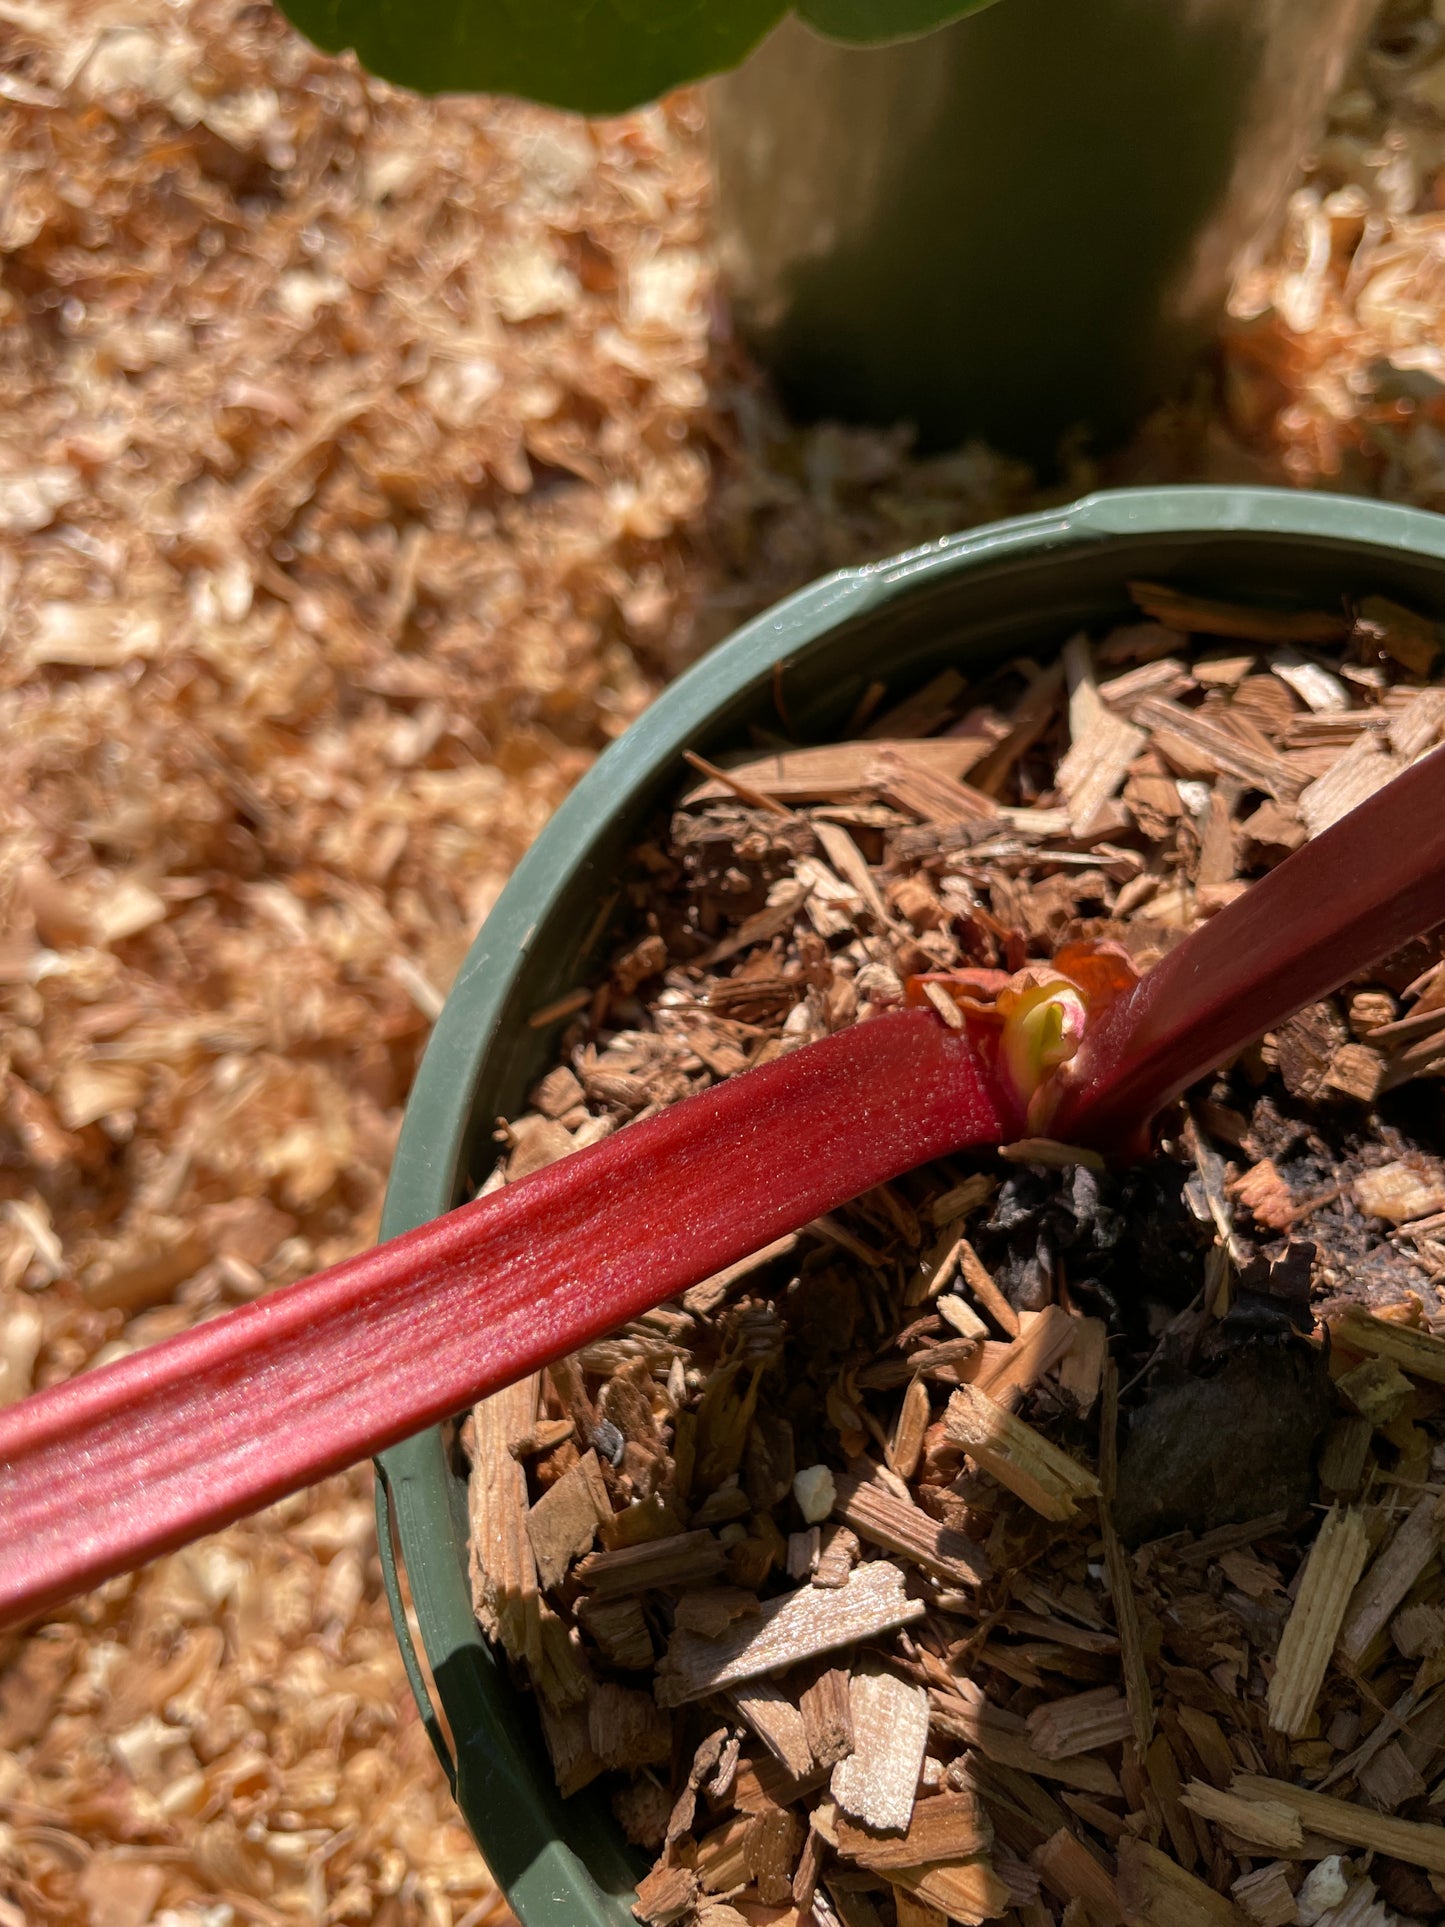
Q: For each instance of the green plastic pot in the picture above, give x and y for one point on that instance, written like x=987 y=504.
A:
x=1022 y=222
x=1014 y=586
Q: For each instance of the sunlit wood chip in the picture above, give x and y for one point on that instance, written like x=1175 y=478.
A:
x=1335 y=1562
x=1046 y=1479
x=877 y=1781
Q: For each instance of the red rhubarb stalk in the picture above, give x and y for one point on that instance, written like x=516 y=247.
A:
x=1359 y=891
x=138 y=1457
x=143 y=1455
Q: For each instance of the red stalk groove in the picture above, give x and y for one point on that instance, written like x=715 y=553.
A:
x=135 y=1458
x=1360 y=890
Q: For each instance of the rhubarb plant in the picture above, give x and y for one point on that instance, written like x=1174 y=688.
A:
x=139 y=1456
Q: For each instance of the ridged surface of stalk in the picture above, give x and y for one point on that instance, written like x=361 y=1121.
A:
x=142 y=1455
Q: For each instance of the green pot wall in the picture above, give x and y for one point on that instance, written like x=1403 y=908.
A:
x=1025 y=221
x=1020 y=585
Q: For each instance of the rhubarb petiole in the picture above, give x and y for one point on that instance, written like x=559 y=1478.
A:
x=140 y=1456
x=1360 y=890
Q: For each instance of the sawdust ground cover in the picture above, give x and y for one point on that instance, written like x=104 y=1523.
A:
x=366 y=464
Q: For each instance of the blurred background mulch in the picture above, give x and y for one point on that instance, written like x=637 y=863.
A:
x=366 y=464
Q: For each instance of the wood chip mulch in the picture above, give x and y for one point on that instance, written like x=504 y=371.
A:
x=364 y=467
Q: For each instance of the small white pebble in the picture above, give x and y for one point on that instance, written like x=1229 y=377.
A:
x=1324 y=1887
x=1194 y=795
x=733 y=1534
x=815 y=1492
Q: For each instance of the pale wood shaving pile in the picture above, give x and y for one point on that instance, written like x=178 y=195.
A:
x=363 y=467
x=1336 y=356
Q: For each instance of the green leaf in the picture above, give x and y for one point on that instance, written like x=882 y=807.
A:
x=593 y=56
x=872 y=21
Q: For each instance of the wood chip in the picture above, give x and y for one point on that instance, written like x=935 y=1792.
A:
x=1273 y=826
x=852 y=865
x=1081 y=1370
x=1003 y=1738
x=1206 y=1736
x=1356 y=1071
x=785 y=1631
x=626 y=1727
x=1198 y=615
x=1020 y=1458
x=685 y=1559
x=929 y=794
x=978 y=1280
x=1082 y=1723
x=827 y=1717
x=1324 y=693
x=1389 y=1779
x=543 y=1436
x=1266 y=1896
x=770 y=1852
x=1377 y=1389
x=877 y=1781
x=906 y=1446
x=1413 y=640
x=619 y=1630
x=1353 y=1826
x=1137 y=1689
x=1354 y=776
x=1202 y=743
x=1030 y=718
x=722 y=1865
x=913 y=1912
x=565 y=1730
x=1394 y=1571
x=1096 y=765
x=777 y=1723
x=665 y=1896
x=1045 y=1337
x=1335 y=1562
x=1344 y=1456
x=1216 y=848
x=1155 y=1891
x=1166 y=676
x=1401 y=1191
x=837 y=772
x=809 y=1868
x=1418 y=1630
x=563 y=1523
x=970 y=1892
x=901 y=1527
x=703 y=1299
x=946 y=1826
x=837 y=1557
x=1263 y=1823
x=504 y=1569
x=1070 y=1871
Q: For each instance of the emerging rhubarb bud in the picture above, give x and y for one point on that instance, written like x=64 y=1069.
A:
x=1029 y=1026
x=1043 y=1026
